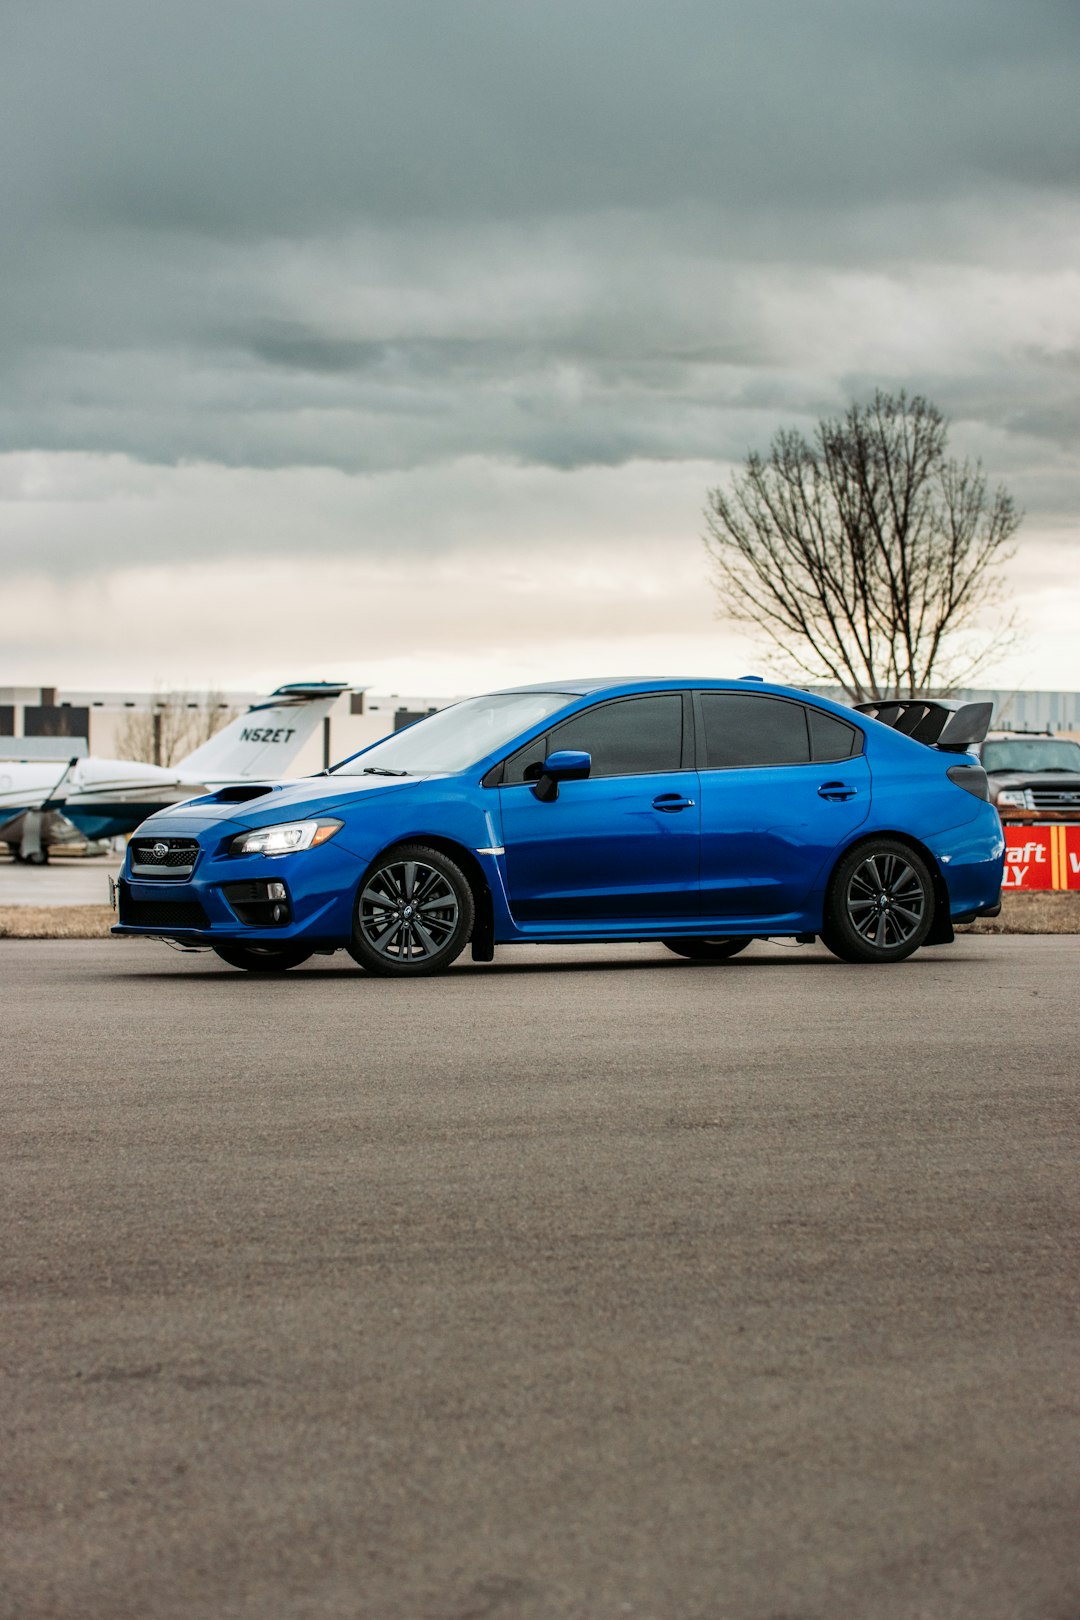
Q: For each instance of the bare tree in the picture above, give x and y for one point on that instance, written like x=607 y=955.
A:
x=863 y=554
x=209 y=715
x=174 y=725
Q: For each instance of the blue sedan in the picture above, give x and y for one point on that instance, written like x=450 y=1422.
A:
x=698 y=813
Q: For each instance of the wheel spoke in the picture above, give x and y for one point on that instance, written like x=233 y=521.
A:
x=433 y=882
x=378 y=898
x=383 y=941
x=429 y=944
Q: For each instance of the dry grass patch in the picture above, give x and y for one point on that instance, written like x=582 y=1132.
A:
x=56 y=922
x=1037 y=912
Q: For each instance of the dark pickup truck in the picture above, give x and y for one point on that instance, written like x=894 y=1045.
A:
x=1034 y=778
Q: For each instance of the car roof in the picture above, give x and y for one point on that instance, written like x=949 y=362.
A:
x=613 y=684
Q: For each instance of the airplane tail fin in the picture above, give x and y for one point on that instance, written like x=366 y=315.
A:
x=261 y=744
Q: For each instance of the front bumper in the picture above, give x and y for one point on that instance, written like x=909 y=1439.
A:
x=320 y=887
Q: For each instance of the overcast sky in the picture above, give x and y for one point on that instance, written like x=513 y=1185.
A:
x=400 y=342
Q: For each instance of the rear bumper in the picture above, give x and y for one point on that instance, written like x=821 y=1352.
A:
x=983 y=911
x=971 y=860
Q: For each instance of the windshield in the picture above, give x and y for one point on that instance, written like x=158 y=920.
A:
x=1031 y=754
x=456 y=737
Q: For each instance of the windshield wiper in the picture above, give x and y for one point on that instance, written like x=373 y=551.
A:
x=381 y=770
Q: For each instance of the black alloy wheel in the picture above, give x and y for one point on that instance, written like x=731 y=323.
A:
x=414 y=914
x=880 y=903
x=708 y=950
x=263 y=958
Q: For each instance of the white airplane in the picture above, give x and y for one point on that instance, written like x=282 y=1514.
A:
x=40 y=800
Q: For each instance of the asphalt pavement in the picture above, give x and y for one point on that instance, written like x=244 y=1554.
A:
x=589 y=1283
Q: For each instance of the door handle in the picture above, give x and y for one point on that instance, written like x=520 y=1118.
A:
x=836 y=790
x=672 y=801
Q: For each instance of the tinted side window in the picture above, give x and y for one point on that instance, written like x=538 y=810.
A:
x=745 y=729
x=628 y=737
x=831 y=738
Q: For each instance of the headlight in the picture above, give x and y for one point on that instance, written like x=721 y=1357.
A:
x=285 y=838
x=1016 y=796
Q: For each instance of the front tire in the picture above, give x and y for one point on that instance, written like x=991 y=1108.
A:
x=880 y=903
x=708 y=950
x=414 y=914
x=263 y=958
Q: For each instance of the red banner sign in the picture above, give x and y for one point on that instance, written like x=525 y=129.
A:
x=1042 y=857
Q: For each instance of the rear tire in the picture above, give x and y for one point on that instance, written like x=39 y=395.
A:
x=880 y=903
x=708 y=950
x=263 y=958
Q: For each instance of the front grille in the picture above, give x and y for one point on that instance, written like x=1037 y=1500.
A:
x=163 y=857
x=1047 y=798
x=160 y=913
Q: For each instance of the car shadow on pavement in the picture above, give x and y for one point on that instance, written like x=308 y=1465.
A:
x=798 y=957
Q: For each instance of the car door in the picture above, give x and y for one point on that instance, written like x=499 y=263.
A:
x=621 y=845
x=783 y=785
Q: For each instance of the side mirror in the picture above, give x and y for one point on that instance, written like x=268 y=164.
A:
x=567 y=765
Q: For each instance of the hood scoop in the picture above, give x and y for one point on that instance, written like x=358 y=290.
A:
x=241 y=793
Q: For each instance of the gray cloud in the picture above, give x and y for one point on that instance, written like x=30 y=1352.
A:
x=268 y=118
x=395 y=241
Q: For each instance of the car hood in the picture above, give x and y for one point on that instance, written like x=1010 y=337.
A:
x=1067 y=781
x=260 y=804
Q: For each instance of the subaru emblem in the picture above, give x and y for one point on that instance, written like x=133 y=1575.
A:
x=160 y=851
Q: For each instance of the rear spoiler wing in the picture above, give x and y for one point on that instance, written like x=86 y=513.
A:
x=945 y=723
